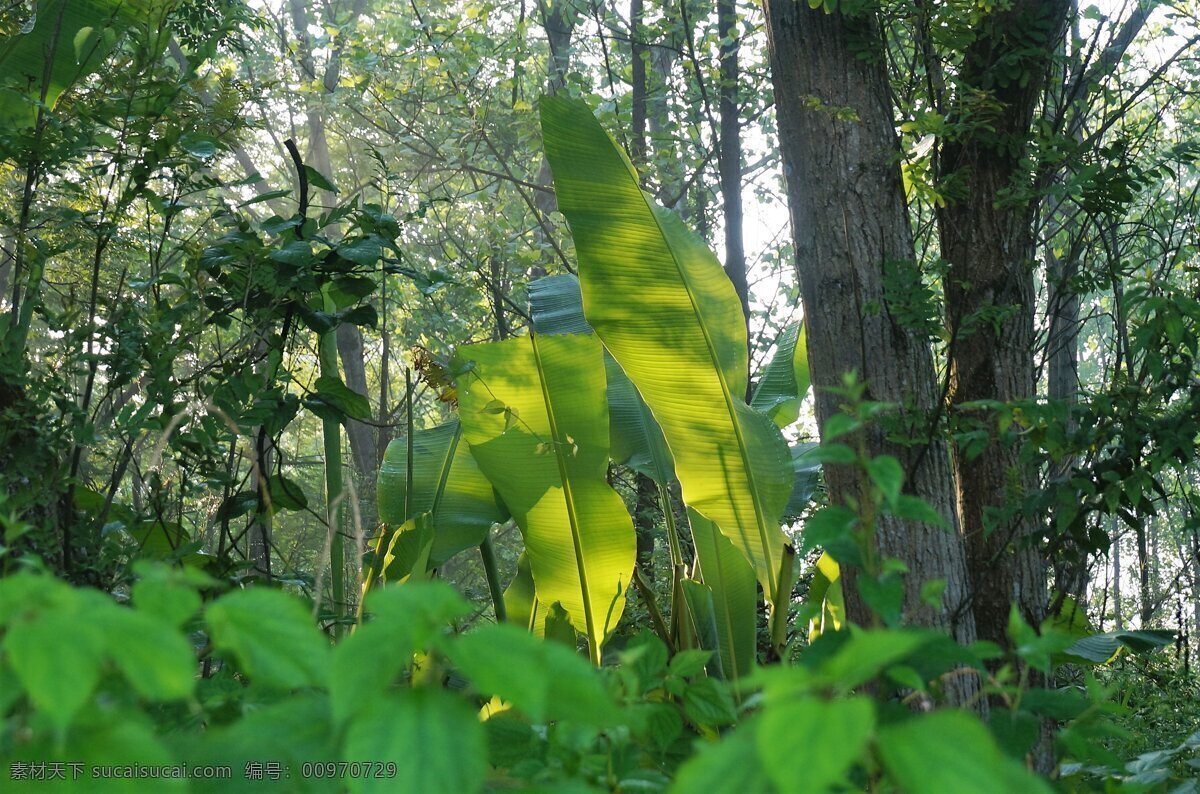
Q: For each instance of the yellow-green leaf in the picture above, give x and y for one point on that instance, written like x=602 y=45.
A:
x=447 y=484
x=547 y=456
x=667 y=312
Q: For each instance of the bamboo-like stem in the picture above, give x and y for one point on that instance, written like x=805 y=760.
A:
x=679 y=635
x=374 y=572
x=783 y=597
x=490 y=570
x=651 y=602
x=334 y=496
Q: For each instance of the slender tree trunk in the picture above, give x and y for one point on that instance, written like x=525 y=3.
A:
x=559 y=23
x=361 y=435
x=658 y=111
x=1062 y=306
x=1116 y=560
x=1145 y=605
x=349 y=340
x=638 y=87
x=849 y=218
x=986 y=235
x=729 y=161
x=1195 y=633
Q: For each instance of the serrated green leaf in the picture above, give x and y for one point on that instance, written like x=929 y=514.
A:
x=544 y=680
x=950 y=751
x=823 y=738
x=272 y=637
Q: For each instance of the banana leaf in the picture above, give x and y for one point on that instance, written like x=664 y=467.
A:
x=1103 y=648
x=807 y=476
x=636 y=440
x=731 y=579
x=447 y=484
x=534 y=412
x=785 y=381
x=407 y=555
x=524 y=609
x=825 y=598
x=666 y=311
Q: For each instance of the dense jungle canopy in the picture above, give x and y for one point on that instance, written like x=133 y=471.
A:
x=600 y=395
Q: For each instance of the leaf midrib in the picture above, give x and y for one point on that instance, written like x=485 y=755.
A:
x=569 y=499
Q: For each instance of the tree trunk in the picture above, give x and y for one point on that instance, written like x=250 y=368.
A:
x=1195 y=633
x=729 y=160
x=559 y=23
x=1145 y=607
x=638 y=85
x=1116 y=560
x=986 y=235
x=362 y=436
x=849 y=218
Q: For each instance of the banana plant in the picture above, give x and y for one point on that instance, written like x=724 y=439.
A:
x=556 y=307
x=785 y=381
x=525 y=609
x=725 y=620
x=446 y=483
x=665 y=310
x=63 y=42
x=534 y=412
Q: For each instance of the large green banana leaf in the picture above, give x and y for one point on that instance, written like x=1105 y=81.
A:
x=447 y=484
x=785 y=381
x=534 y=412
x=667 y=312
x=73 y=36
x=556 y=307
x=523 y=608
x=727 y=573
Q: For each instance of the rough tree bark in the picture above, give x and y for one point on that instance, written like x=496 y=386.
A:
x=986 y=235
x=849 y=218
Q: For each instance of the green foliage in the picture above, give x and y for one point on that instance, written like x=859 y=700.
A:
x=446 y=483
x=548 y=716
x=540 y=400
x=74 y=36
x=195 y=360
x=784 y=383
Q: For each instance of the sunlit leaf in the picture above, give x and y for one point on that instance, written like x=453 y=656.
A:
x=666 y=311
x=447 y=484
x=578 y=534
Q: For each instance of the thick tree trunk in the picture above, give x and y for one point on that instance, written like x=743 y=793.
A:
x=849 y=218
x=986 y=235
